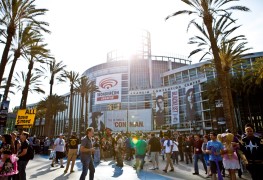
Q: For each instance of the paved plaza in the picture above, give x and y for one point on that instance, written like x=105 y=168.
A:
x=40 y=169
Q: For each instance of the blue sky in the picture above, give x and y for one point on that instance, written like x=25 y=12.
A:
x=83 y=31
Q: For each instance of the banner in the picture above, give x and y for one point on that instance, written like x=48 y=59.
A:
x=97 y=121
x=132 y=120
x=3 y=113
x=110 y=89
x=25 y=118
x=159 y=120
x=190 y=104
x=175 y=107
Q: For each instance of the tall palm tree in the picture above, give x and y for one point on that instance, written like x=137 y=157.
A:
x=12 y=13
x=73 y=78
x=84 y=88
x=57 y=105
x=34 y=85
x=207 y=11
x=56 y=70
x=37 y=53
x=23 y=40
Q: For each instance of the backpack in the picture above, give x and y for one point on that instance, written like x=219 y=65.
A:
x=30 y=153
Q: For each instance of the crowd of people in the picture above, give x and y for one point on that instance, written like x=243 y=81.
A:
x=14 y=150
x=219 y=153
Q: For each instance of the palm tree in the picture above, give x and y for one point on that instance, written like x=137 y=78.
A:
x=207 y=11
x=55 y=69
x=34 y=85
x=73 y=78
x=84 y=88
x=36 y=53
x=14 y=12
x=25 y=37
x=57 y=104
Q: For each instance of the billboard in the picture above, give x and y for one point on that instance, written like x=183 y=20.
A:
x=25 y=118
x=110 y=89
x=136 y=120
x=174 y=107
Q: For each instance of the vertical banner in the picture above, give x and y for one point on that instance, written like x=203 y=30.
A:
x=174 y=107
x=190 y=104
x=110 y=89
x=159 y=121
x=4 y=113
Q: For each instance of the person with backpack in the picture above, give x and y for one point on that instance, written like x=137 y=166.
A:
x=22 y=155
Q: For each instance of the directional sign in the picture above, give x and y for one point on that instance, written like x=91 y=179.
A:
x=25 y=117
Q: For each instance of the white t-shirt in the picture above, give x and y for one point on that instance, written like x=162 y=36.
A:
x=167 y=149
x=60 y=145
x=175 y=147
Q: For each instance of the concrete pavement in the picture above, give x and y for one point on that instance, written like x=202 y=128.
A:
x=40 y=169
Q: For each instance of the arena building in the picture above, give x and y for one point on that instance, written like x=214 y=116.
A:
x=145 y=92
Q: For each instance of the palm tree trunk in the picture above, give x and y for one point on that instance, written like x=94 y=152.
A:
x=8 y=83
x=220 y=76
x=86 y=111
x=4 y=60
x=25 y=91
x=82 y=125
x=70 y=111
x=51 y=84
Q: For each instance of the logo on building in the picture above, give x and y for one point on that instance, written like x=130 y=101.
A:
x=108 y=83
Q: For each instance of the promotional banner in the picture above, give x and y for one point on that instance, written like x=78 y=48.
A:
x=131 y=121
x=190 y=104
x=25 y=118
x=96 y=120
x=159 y=120
x=174 y=107
x=3 y=113
x=110 y=89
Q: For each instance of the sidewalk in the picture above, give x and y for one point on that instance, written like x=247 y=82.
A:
x=40 y=169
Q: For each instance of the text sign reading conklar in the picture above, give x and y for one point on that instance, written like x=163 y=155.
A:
x=25 y=117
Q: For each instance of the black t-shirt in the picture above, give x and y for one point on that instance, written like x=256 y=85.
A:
x=24 y=145
x=73 y=143
x=155 y=145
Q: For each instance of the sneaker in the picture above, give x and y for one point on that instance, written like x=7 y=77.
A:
x=157 y=168
x=165 y=170
x=152 y=168
x=172 y=170
x=52 y=165
x=65 y=171
x=195 y=173
x=72 y=171
x=62 y=166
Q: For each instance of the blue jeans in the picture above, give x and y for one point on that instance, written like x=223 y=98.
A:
x=22 y=169
x=196 y=157
x=87 y=165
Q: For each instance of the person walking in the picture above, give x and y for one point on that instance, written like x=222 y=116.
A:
x=22 y=155
x=252 y=147
x=175 y=151
x=154 y=148
x=72 y=152
x=198 y=154
x=140 y=152
x=214 y=149
x=86 y=150
x=187 y=148
x=168 y=147
x=59 y=147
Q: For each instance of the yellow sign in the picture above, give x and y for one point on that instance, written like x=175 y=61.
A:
x=25 y=117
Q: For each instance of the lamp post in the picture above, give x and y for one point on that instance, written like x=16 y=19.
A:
x=127 y=126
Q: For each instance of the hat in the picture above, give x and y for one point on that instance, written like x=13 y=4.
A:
x=108 y=129
x=14 y=133
x=61 y=134
x=73 y=133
